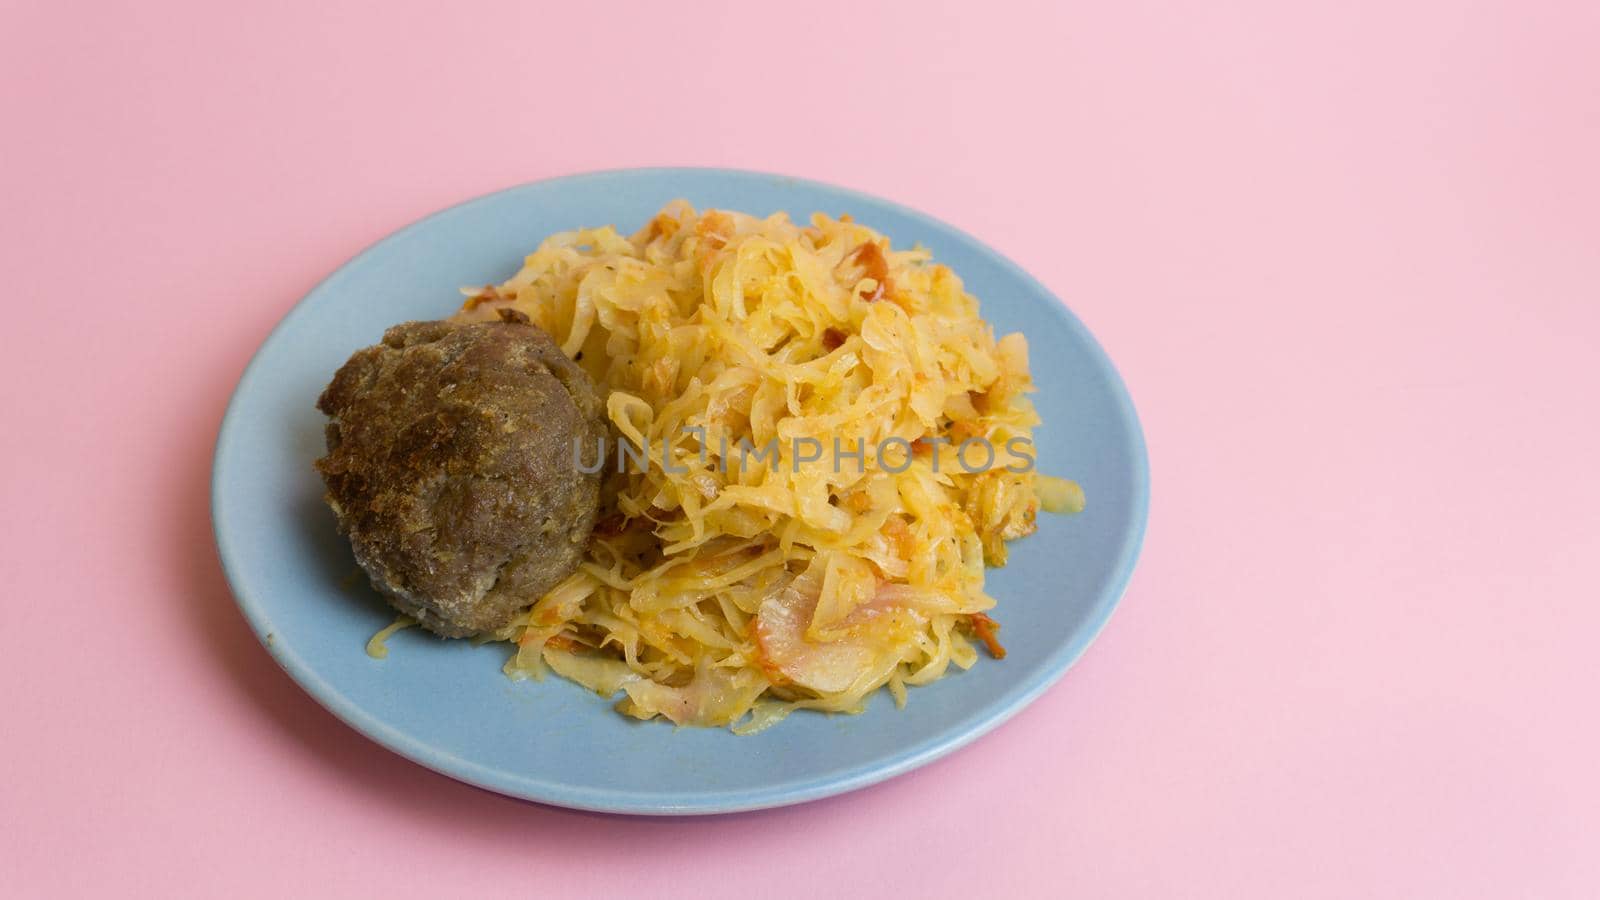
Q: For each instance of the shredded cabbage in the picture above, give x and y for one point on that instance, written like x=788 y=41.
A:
x=378 y=645
x=726 y=589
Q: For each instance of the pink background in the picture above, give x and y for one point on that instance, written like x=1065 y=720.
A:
x=1347 y=257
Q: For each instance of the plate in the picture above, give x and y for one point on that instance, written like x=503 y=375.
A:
x=446 y=705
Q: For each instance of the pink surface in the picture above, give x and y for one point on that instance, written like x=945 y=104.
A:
x=1347 y=257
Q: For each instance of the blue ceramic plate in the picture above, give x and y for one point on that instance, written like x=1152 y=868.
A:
x=447 y=706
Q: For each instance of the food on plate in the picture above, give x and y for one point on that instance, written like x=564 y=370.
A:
x=816 y=446
x=449 y=467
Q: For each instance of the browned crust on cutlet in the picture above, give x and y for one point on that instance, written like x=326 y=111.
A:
x=450 y=468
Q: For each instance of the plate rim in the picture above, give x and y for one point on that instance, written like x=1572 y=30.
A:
x=953 y=737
